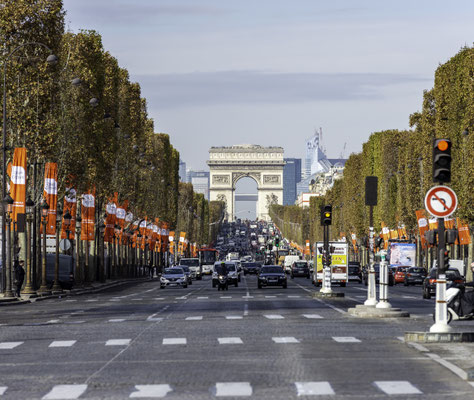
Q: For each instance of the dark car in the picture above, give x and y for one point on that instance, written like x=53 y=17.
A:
x=66 y=270
x=251 y=268
x=355 y=273
x=300 y=268
x=272 y=275
x=377 y=275
x=429 y=284
x=414 y=276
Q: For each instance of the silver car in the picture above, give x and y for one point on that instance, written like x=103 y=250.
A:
x=173 y=277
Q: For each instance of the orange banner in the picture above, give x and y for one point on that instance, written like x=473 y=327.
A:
x=110 y=219
x=463 y=231
x=354 y=242
x=18 y=182
x=171 y=240
x=422 y=226
x=70 y=204
x=50 y=194
x=88 y=215
x=385 y=235
x=121 y=213
x=182 y=238
x=308 y=248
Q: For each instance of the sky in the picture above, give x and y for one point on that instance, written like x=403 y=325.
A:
x=270 y=72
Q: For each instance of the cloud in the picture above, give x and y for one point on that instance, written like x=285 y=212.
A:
x=244 y=87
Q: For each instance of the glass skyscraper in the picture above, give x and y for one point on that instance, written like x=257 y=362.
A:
x=291 y=176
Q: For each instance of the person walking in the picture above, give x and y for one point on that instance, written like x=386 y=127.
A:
x=19 y=276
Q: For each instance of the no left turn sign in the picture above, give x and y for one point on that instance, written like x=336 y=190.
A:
x=441 y=201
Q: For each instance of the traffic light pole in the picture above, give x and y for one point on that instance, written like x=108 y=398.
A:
x=326 y=284
x=371 y=289
x=441 y=310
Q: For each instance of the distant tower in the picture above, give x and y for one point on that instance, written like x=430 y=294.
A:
x=314 y=154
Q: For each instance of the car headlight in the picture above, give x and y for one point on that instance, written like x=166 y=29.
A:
x=221 y=276
x=163 y=280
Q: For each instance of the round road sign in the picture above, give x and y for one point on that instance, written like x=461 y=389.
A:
x=441 y=201
x=64 y=244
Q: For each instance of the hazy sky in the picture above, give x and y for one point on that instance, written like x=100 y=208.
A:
x=218 y=72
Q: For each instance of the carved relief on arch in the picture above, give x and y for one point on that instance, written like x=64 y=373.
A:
x=237 y=175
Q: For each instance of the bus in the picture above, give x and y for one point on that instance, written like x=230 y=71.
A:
x=207 y=258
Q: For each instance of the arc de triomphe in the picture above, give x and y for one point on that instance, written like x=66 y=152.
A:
x=263 y=164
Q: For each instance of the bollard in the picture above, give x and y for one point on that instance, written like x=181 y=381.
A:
x=326 y=285
x=383 y=283
x=441 y=310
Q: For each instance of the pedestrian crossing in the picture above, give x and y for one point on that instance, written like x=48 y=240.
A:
x=228 y=389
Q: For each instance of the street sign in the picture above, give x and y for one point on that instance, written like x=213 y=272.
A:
x=64 y=244
x=441 y=201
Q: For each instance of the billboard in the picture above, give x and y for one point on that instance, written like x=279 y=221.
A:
x=403 y=254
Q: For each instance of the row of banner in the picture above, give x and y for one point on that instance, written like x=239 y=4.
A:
x=146 y=230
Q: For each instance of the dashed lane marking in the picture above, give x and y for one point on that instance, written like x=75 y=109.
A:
x=230 y=340
x=153 y=318
x=270 y=297
x=274 y=316
x=65 y=392
x=312 y=316
x=202 y=297
x=167 y=341
x=284 y=340
x=314 y=388
x=9 y=345
x=346 y=339
x=151 y=391
x=247 y=297
x=233 y=389
x=294 y=297
x=234 y=317
x=117 y=320
x=226 y=297
x=118 y=342
x=3 y=389
x=62 y=343
x=197 y=318
x=397 y=387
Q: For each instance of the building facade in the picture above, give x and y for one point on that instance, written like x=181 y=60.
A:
x=182 y=171
x=200 y=182
x=291 y=177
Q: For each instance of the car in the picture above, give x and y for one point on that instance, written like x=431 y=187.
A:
x=300 y=268
x=355 y=273
x=272 y=275
x=429 y=283
x=232 y=273
x=174 y=276
x=251 y=267
x=377 y=275
x=414 y=275
x=399 y=274
x=188 y=273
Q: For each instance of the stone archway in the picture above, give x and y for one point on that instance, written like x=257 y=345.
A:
x=263 y=164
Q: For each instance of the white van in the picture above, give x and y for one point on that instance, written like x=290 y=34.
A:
x=288 y=262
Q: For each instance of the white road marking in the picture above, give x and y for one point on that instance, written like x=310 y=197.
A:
x=471 y=383
x=65 y=392
x=453 y=368
x=410 y=297
x=3 y=389
x=199 y=318
x=226 y=297
x=202 y=297
x=230 y=340
x=153 y=318
x=247 y=297
x=313 y=388
x=274 y=316
x=401 y=338
x=52 y=321
x=137 y=299
x=233 y=317
x=294 y=297
x=117 y=320
x=419 y=347
x=91 y=300
x=9 y=345
x=71 y=300
x=346 y=339
x=181 y=298
x=174 y=341
x=397 y=387
x=246 y=309
x=74 y=322
x=270 y=297
x=62 y=343
x=118 y=342
x=288 y=339
x=159 y=298
x=233 y=389
x=312 y=316
x=151 y=391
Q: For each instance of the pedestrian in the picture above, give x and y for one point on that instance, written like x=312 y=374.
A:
x=19 y=276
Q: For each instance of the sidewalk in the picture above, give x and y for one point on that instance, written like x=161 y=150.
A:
x=95 y=287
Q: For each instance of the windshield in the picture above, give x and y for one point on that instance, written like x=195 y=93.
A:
x=230 y=267
x=185 y=268
x=190 y=262
x=416 y=270
x=209 y=256
x=251 y=265
x=272 y=270
x=301 y=264
x=173 y=271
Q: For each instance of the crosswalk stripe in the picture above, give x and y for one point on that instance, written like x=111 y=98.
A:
x=225 y=389
x=65 y=392
x=312 y=316
x=288 y=339
x=9 y=345
x=230 y=340
x=247 y=297
x=117 y=320
x=314 y=388
x=198 y=318
x=62 y=343
x=118 y=342
x=174 y=341
x=346 y=339
x=151 y=391
x=294 y=297
x=270 y=297
x=226 y=297
x=233 y=317
x=397 y=387
x=3 y=389
x=274 y=316
x=202 y=297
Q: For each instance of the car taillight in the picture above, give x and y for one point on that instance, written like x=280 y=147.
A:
x=432 y=280
x=408 y=274
x=458 y=281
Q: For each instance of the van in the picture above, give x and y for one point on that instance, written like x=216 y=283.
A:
x=288 y=262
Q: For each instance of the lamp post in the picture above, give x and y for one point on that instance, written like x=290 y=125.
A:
x=67 y=217
x=56 y=286
x=117 y=253
x=102 y=273
x=78 y=274
x=28 y=291
x=43 y=290
x=8 y=206
x=51 y=60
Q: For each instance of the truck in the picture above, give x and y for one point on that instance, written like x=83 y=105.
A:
x=194 y=266
x=339 y=263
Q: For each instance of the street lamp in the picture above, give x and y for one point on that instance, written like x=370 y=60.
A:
x=43 y=290
x=51 y=60
x=67 y=217
x=56 y=286
x=78 y=274
x=8 y=207
x=30 y=209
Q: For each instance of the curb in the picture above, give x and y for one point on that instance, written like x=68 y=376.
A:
x=363 y=311
x=430 y=337
x=333 y=295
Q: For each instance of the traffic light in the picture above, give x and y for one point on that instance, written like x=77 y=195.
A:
x=441 y=160
x=446 y=261
x=326 y=215
x=270 y=246
x=277 y=241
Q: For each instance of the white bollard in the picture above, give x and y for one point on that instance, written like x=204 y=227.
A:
x=326 y=286
x=371 y=289
x=441 y=310
x=383 y=283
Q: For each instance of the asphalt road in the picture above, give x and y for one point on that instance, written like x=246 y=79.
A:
x=139 y=341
